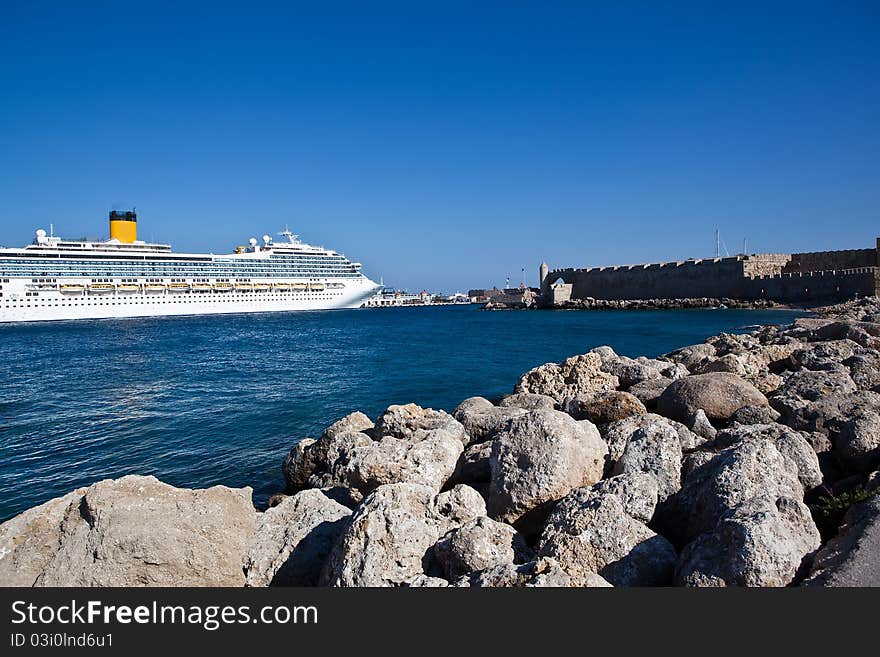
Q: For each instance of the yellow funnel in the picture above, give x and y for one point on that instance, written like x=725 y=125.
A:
x=123 y=226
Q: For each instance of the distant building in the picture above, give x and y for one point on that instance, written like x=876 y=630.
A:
x=509 y=295
x=387 y=298
x=391 y=298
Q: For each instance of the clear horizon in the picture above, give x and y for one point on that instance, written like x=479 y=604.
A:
x=449 y=147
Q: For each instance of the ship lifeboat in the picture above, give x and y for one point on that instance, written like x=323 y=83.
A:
x=244 y=287
x=223 y=287
x=335 y=286
x=262 y=287
x=282 y=287
x=201 y=287
x=128 y=287
x=101 y=288
x=179 y=287
x=300 y=286
x=318 y=287
x=72 y=289
x=154 y=287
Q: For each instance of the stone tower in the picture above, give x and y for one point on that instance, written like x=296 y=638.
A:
x=543 y=272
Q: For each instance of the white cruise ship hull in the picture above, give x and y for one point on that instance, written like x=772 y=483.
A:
x=20 y=305
x=56 y=279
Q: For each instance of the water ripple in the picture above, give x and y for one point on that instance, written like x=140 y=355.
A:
x=199 y=401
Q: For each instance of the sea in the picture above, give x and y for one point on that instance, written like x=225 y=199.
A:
x=199 y=401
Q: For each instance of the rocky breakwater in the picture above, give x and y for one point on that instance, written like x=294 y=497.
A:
x=747 y=460
x=535 y=302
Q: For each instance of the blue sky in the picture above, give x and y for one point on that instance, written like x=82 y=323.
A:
x=446 y=145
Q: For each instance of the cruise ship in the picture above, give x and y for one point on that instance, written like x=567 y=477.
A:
x=58 y=279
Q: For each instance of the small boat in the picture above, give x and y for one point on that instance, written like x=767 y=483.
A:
x=201 y=287
x=72 y=289
x=300 y=286
x=283 y=287
x=128 y=287
x=100 y=288
x=244 y=287
x=318 y=287
x=223 y=287
x=335 y=286
x=179 y=287
x=262 y=287
x=154 y=287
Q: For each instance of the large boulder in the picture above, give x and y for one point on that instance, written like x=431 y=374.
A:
x=630 y=371
x=427 y=582
x=338 y=437
x=389 y=540
x=293 y=539
x=667 y=369
x=857 y=442
x=481 y=418
x=733 y=343
x=805 y=386
x=654 y=450
x=728 y=363
x=541 y=573
x=637 y=491
x=761 y=543
x=425 y=457
x=700 y=425
x=862 y=333
x=321 y=463
x=353 y=422
x=864 y=369
x=692 y=355
x=537 y=459
x=828 y=413
x=589 y=532
x=605 y=407
x=408 y=420
x=694 y=460
x=617 y=434
x=850 y=558
x=132 y=531
x=458 y=505
x=299 y=464
x=720 y=395
x=711 y=491
x=755 y=415
x=474 y=465
x=480 y=544
x=648 y=392
x=30 y=540
x=528 y=400
x=331 y=457
x=789 y=442
x=574 y=376
x=818 y=355
x=753 y=366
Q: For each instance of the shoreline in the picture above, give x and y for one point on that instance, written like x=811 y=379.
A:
x=768 y=437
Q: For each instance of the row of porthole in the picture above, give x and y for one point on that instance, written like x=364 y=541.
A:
x=50 y=304
x=201 y=296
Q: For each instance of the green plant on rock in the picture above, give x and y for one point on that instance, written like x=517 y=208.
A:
x=829 y=510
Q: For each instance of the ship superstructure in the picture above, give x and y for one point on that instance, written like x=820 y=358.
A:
x=56 y=279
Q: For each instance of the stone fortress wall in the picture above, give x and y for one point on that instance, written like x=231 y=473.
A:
x=824 y=276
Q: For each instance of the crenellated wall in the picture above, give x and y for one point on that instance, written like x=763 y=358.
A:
x=779 y=277
x=831 y=260
x=819 y=286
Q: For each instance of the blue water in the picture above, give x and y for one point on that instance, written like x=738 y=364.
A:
x=199 y=401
